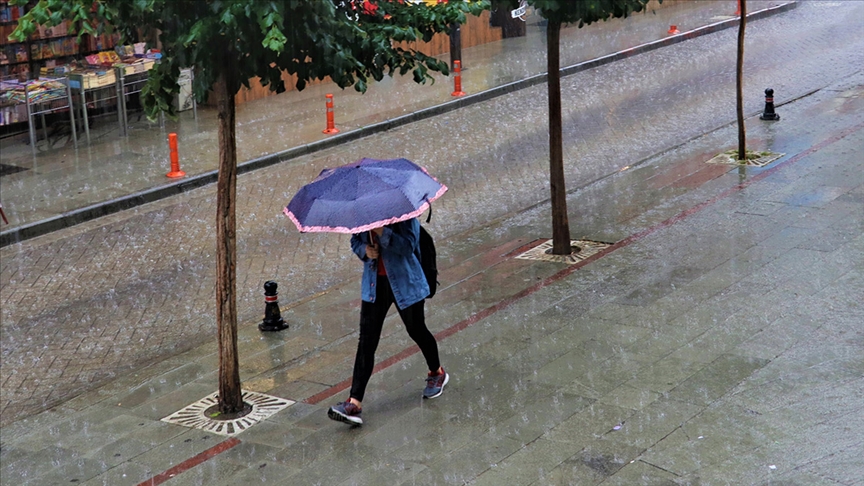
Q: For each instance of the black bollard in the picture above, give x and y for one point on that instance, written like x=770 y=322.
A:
x=769 y=114
x=272 y=317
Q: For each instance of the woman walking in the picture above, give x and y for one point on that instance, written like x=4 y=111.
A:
x=391 y=274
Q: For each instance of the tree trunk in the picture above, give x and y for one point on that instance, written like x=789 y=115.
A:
x=560 y=224
x=230 y=394
x=742 y=149
x=455 y=45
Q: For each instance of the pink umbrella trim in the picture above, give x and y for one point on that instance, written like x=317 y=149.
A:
x=367 y=227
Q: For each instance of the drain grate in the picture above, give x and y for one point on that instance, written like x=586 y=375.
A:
x=8 y=169
x=760 y=159
x=193 y=416
x=582 y=250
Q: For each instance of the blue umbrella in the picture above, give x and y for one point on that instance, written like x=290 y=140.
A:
x=363 y=195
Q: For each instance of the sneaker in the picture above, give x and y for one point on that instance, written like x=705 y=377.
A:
x=346 y=412
x=435 y=384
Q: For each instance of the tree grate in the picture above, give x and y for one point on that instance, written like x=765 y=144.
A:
x=759 y=159
x=583 y=249
x=193 y=416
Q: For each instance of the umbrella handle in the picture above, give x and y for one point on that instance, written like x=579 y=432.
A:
x=373 y=243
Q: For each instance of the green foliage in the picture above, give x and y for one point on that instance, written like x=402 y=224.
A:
x=351 y=41
x=582 y=12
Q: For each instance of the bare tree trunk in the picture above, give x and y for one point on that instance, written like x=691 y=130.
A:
x=230 y=394
x=742 y=149
x=560 y=224
x=455 y=45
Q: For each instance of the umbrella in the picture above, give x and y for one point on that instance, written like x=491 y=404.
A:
x=363 y=195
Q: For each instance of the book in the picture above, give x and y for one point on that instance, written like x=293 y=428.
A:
x=57 y=48
x=124 y=51
x=70 y=47
x=21 y=53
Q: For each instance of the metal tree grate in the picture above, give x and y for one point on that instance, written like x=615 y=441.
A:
x=543 y=253
x=193 y=416
x=731 y=158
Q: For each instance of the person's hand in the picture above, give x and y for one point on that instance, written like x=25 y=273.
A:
x=372 y=251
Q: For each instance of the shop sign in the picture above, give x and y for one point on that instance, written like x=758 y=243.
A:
x=521 y=11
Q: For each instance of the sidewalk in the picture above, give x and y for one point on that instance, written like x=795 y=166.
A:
x=62 y=186
x=717 y=342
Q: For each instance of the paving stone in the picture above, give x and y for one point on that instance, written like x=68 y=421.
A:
x=279 y=436
x=594 y=421
x=596 y=463
x=663 y=374
x=716 y=379
x=265 y=472
x=535 y=418
x=207 y=472
x=641 y=473
x=389 y=471
x=296 y=390
x=163 y=406
x=163 y=385
x=115 y=453
x=626 y=396
x=529 y=464
x=467 y=463
x=177 y=449
x=43 y=461
x=124 y=474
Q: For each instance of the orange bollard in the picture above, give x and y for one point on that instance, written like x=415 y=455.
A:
x=673 y=29
x=175 y=158
x=331 y=125
x=457 y=80
x=738 y=12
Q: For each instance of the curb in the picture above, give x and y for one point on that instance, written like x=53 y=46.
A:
x=106 y=208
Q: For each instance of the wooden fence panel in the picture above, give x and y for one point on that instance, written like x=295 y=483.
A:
x=474 y=32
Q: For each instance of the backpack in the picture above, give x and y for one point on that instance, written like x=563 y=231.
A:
x=427 y=261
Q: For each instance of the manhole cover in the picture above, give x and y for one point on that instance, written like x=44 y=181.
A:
x=193 y=415
x=582 y=249
x=755 y=159
x=6 y=169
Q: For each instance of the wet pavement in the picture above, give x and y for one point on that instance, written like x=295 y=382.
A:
x=717 y=341
x=56 y=189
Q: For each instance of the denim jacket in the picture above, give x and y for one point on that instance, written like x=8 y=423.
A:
x=399 y=246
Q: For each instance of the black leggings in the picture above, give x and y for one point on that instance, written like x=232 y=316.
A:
x=372 y=316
